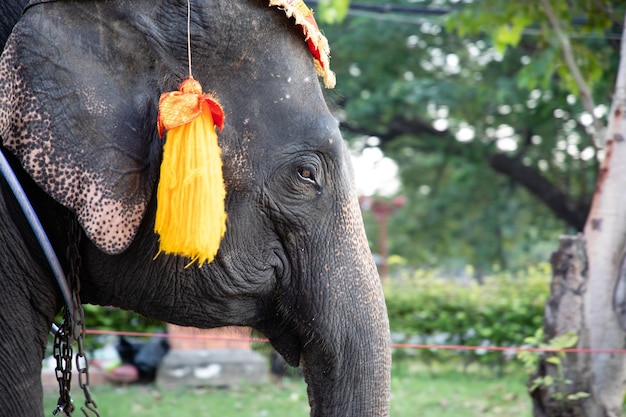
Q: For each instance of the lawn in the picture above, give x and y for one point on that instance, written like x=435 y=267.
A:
x=416 y=391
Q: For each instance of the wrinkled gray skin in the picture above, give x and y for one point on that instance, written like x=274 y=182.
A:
x=86 y=76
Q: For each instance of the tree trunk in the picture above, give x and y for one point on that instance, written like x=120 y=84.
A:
x=564 y=314
x=605 y=232
x=602 y=315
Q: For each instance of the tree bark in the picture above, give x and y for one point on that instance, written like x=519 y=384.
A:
x=605 y=232
x=603 y=303
x=564 y=314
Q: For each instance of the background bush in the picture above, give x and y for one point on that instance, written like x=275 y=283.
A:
x=426 y=308
x=500 y=311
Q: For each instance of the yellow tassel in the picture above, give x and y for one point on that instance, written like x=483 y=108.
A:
x=191 y=216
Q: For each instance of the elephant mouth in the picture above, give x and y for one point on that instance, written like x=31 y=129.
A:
x=289 y=347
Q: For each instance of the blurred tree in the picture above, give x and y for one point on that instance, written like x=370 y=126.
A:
x=496 y=138
x=528 y=101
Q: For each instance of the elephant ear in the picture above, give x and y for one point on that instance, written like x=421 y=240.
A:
x=77 y=108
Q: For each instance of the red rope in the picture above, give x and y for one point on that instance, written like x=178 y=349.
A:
x=506 y=348
x=393 y=345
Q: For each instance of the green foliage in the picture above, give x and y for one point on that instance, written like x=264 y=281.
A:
x=113 y=319
x=426 y=309
x=466 y=216
x=557 y=384
x=110 y=318
x=332 y=11
x=547 y=63
x=510 y=34
x=491 y=73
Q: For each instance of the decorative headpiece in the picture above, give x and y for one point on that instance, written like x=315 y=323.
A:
x=191 y=215
x=318 y=44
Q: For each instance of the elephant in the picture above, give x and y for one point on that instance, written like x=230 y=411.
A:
x=80 y=82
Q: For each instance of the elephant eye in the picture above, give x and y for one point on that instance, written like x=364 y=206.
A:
x=307 y=174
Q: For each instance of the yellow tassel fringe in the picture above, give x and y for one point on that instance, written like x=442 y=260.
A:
x=191 y=216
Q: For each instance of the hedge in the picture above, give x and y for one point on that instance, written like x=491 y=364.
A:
x=426 y=308
x=502 y=311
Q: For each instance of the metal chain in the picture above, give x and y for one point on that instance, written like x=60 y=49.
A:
x=82 y=364
x=62 y=352
x=73 y=329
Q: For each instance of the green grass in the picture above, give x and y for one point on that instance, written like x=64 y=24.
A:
x=451 y=392
x=416 y=391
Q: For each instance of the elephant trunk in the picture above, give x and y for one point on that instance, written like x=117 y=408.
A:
x=354 y=380
x=347 y=357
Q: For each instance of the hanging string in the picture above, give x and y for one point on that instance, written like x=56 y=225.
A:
x=189 y=36
x=191 y=216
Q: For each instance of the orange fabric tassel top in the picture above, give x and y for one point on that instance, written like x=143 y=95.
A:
x=191 y=216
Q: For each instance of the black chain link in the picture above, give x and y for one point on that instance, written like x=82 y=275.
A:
x=62 y=352
x=73 y=330
x=82 y=366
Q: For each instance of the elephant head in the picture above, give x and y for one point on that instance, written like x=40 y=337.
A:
x=79 y=87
